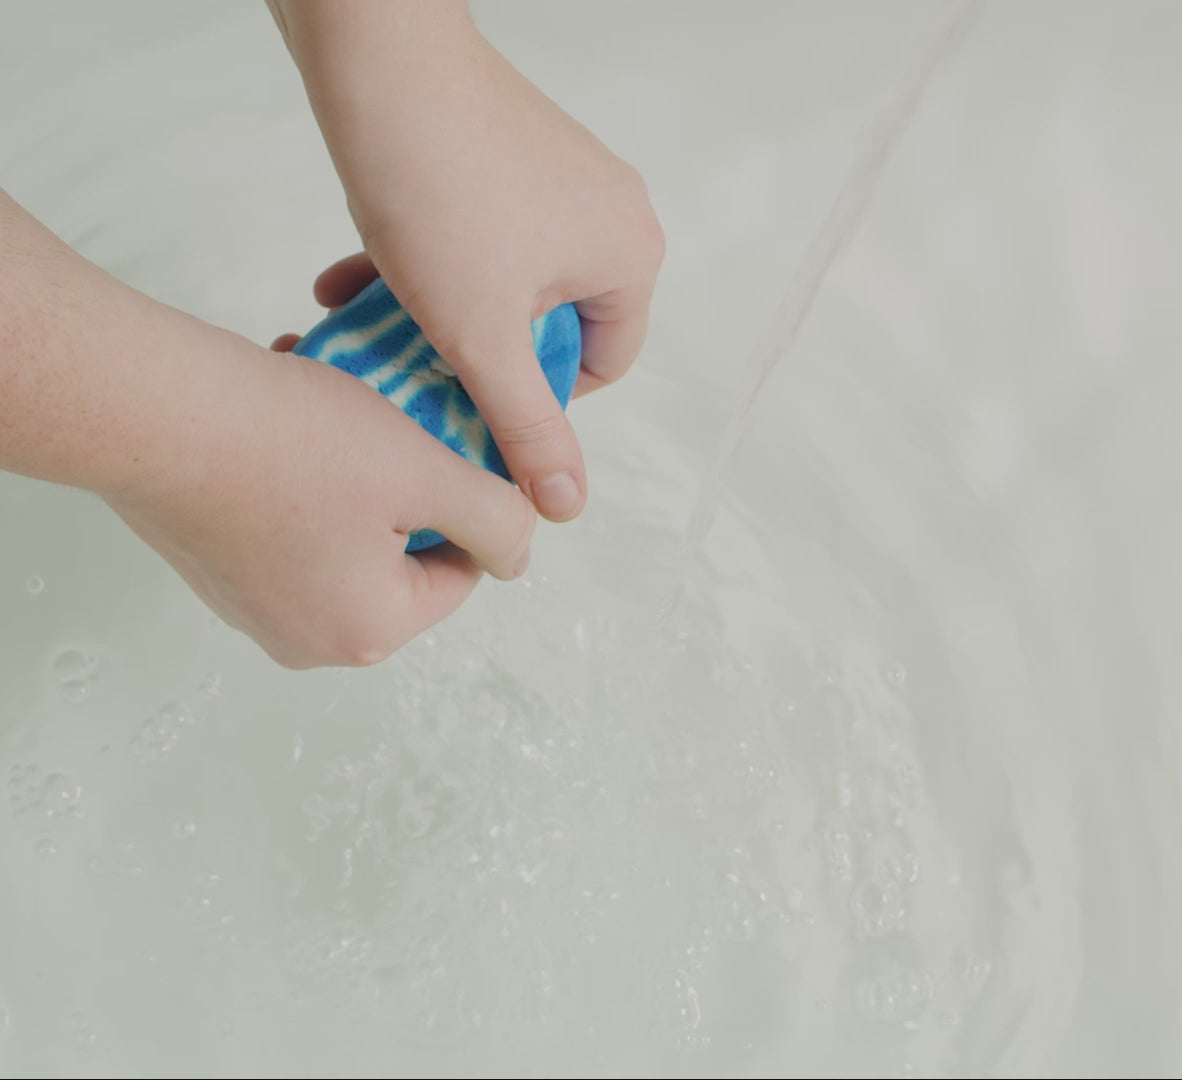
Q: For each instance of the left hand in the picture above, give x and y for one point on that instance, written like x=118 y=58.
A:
x=483 y=205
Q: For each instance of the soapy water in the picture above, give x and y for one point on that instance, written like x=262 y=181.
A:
x=891 y=790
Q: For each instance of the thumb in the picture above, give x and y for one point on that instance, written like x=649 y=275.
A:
x=508 y=386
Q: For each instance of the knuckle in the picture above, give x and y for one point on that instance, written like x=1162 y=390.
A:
x=653 y=237
x=545 y=431
x=369 y=642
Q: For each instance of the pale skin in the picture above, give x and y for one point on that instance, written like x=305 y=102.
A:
x=265 y=478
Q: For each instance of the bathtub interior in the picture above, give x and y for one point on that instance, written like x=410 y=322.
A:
x=839 y=736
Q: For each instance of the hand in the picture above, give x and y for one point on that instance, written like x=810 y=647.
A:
x=294 y=526
x=483 y=205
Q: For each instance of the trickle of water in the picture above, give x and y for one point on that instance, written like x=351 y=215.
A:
x=840 y=226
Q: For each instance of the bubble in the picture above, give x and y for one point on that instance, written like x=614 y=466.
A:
x=839 y=853
x=900 y=994
x=158 y=734
x=46 y=847
x=182 y=830
x=76 y=691
x=974 y=970
x=896 y=674
x=84 y=1034
x=211 y=685
x=878 y=908
x=174 y=715
x=71 y=665
x=35 y=584
x=900 y=866
x=416 y=809
x=60 y=795
x=680 y=1010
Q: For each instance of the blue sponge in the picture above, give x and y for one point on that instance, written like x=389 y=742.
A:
x=374 y=338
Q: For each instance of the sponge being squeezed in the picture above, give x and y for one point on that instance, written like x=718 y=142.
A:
x=375 y=339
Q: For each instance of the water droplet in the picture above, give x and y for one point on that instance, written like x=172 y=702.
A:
x=45 y=847
x=182 y=830
x=896 y=674
x=76 y=691
x=35 y=584
x=211 y=685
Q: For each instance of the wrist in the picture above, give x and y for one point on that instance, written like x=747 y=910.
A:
x=352 y=52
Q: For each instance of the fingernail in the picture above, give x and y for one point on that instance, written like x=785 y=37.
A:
x=522 y=564
x=557 y=495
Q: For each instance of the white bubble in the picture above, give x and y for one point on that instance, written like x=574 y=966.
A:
x=46 y=847
x=35 y=584
x=182 y=830
x=896 y=674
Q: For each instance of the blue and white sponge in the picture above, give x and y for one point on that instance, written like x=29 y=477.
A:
x=374 y=338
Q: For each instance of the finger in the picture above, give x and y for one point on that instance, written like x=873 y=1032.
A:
x=440 y=579
x=285 y=342
x=531 y=430
x=614 y=328
x=474 y=508
x=344 y=280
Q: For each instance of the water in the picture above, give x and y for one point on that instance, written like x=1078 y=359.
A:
x=891 y=790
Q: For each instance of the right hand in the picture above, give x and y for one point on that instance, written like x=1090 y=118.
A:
x=292 y=517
